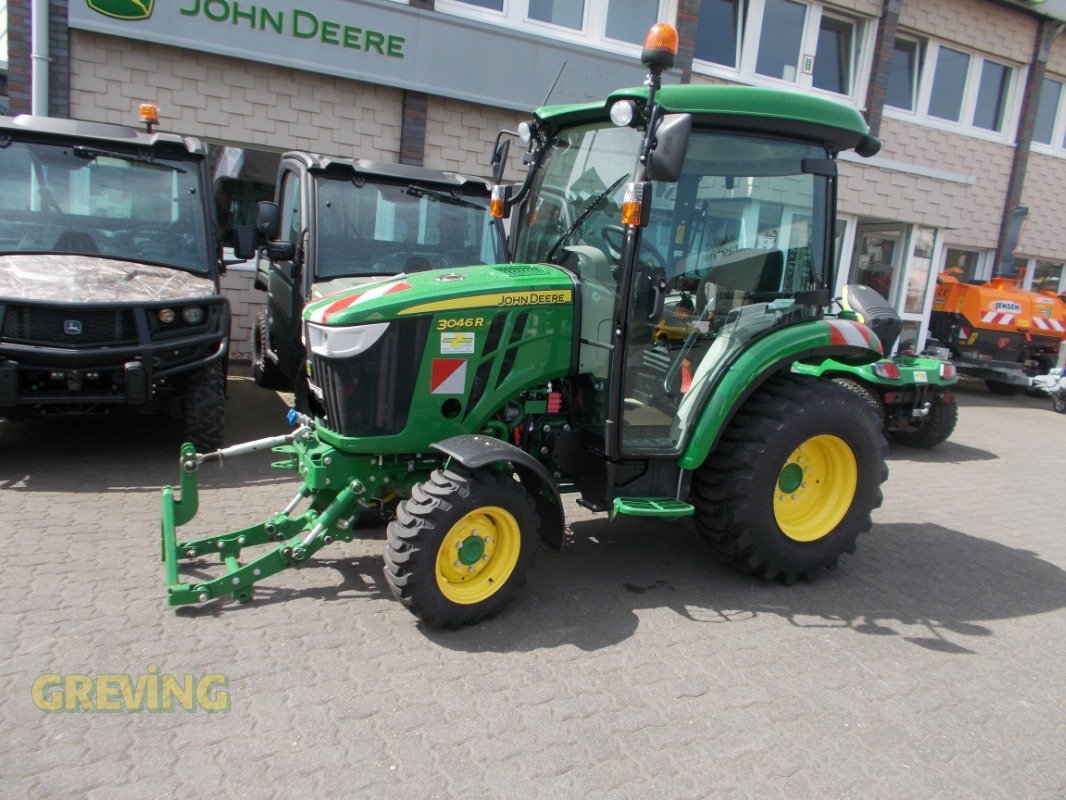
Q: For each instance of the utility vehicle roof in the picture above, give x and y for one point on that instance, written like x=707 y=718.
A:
x=96 y=132
x=395 y=172
x=741 y=108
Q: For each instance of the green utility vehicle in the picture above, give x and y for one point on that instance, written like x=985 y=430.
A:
x=109 y=274
x=347 y=222
x=480 y=395
x=911 y=392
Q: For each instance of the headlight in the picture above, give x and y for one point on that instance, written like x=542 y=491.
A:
x=193 y=315
x=343 y=342
x=166 y=315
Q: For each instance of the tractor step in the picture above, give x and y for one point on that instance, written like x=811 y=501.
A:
x=660 y=507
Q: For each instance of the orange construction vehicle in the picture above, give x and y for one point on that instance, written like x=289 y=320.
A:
x=998 y=331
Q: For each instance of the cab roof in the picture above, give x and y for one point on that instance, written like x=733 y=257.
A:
x=740 y=108
x=60 y=130
x=380 y=170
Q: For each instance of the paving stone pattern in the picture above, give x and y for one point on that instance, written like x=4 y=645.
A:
x=930 y=665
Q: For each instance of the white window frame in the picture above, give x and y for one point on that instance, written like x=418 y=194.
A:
x=751 y=18
x=515 y=15
x=929 y=49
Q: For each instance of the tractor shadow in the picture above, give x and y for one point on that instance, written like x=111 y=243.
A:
x=948 y=452
x=927 y=585
x=131 y=453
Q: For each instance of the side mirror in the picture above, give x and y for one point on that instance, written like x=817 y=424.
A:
x=280 y=251
x=267 y=220
x=671 y=144
x=244 y=242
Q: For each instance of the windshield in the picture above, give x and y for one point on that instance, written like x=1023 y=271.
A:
x=91 y=200
x=578 y=191
x=386 y=229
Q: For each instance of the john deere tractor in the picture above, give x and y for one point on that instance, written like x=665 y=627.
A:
x=479 y=395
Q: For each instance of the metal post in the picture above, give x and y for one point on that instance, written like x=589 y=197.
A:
x=39 y=58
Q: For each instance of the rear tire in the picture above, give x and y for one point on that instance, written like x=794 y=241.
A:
x=460 y=547
x=1002 y=388
x=1058 y=400
x=203 y=407
x=867 y=395
x=793 y=481
x=264 y=371
x=935 y=429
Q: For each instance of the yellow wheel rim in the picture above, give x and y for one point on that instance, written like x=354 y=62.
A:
x=478 y=555
x=815 y=488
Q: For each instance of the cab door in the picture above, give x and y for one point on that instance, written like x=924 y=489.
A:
x=284 y=282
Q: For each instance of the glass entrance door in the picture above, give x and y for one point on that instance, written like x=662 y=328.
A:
x=877 y=258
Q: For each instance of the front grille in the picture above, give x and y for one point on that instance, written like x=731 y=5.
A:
x=370 y=394
x=522 y=271
x=57 y=326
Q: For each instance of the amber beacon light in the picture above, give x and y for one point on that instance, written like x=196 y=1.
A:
x=149 y=113
x=660 y=46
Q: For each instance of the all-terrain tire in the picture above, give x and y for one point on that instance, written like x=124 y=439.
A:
x=461 y=545
x=203 y=406
x=935 y=428
x=1058 y=400
x=868 y=396
x=1002 y=388
x=264 y=371
x=793 y=481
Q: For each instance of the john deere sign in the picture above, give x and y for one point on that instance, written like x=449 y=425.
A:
x=123 y=9
x=376 y=41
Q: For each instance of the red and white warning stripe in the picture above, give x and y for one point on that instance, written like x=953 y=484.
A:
x=1046 y=324
x=325 y=312
x=998 y=318
x=844 y=331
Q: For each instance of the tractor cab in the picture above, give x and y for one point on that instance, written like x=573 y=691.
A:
x=696 y=225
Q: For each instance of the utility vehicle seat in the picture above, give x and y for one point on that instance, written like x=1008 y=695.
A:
x=874 y=311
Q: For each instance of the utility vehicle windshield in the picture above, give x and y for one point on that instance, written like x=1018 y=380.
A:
x=734 y=240
x=97 y=201
x=385 y=229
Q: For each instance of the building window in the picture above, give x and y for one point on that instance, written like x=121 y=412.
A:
x=782 y=24
x=716 y=35
x=772 y=41
x=567 y=13
x=1047 y=108
x=1047 y=276
x=605 y=22
x=942 y=84
x=962 y=265
x=949 y=84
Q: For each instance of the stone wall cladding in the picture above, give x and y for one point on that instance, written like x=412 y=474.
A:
x=984 y=26
x=1042 y=235
x=968 y=213
x=245 y=303
x=215 y=97
x=460 y=135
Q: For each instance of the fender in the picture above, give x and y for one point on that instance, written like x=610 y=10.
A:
x=478 y=450
x=730 y=385
x=913 y=370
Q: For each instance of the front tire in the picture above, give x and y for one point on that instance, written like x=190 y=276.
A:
x=793 y=481
x=935 y=428
x=460 y=547
x=203 y=407
x=1058 y=400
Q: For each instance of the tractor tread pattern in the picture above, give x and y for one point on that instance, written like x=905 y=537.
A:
x=413 y=537
x=935 y=429
x=726 y=488
x=203 y=404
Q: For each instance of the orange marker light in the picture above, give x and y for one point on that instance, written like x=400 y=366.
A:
x=660 y=45
x=497 y=206
x=631 y=204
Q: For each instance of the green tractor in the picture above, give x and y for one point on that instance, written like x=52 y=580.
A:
x=478 y=396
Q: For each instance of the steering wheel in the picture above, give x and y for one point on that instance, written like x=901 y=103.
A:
x=614 y=248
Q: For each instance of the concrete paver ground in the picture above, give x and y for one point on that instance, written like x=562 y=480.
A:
x=931 y=664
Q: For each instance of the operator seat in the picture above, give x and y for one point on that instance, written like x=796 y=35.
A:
x=76 y=242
